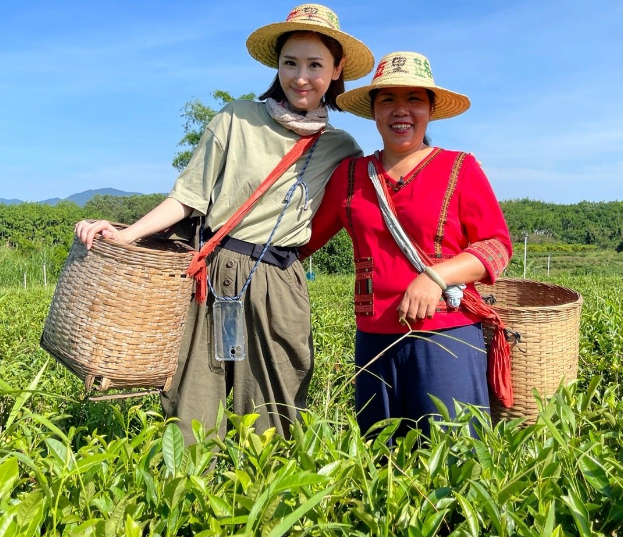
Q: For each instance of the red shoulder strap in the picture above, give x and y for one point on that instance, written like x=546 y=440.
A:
x=197 y=268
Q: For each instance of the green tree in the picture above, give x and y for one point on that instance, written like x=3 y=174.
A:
x=593 y=223
x=27 y=226
x=197 y=116
x=122 y=209
x=335 y=257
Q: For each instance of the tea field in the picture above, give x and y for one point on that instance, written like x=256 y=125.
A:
x=74 y=467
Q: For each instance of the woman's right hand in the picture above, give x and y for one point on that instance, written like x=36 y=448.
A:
x=87 y=231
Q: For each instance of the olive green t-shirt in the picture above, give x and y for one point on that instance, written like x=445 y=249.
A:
x=238 y=150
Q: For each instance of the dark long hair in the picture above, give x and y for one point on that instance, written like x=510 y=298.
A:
x=431 y=100
x=336 y=87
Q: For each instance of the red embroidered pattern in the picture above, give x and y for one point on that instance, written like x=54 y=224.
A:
x=396 y=186
x=443 y=215
x=492 y=254
x=364 y=295
x=352 y=164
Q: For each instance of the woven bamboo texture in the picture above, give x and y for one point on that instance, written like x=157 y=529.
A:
x=118 y=313
x=545 y=353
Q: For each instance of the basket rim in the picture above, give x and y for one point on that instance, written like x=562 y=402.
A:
x=578 y=299
x=135 y=248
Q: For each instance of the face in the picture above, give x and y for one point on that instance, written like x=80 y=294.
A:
x=402 y=115
x=306 y=69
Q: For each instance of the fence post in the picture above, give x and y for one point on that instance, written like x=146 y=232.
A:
x=525 y=254
x=24 y=280
x=45 y=276
x=548 y=262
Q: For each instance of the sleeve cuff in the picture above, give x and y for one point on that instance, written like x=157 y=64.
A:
x=493 y=255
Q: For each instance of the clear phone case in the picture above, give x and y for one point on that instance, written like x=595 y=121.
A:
x=228 y=330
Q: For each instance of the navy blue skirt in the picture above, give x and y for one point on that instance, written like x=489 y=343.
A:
x=450 y=364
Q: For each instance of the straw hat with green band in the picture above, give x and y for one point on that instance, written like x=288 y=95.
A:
x=312 y=18
x=404 y=69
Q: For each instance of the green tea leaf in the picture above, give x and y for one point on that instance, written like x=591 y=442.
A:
x=30 y=511
x=174 y=492
x=296 y=481
x=60 y=452
x=595 y=474
x=132 y=528
x=173 y=448
x=220 y=507
x=8 y=476
x=24 y=396
x=437 y=458
x=470 y=514
x=579 y=513
x=548 y=527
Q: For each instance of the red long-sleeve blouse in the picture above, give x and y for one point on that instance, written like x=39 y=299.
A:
x=445 y=204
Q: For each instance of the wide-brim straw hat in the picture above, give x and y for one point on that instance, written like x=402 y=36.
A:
x=404 y=69
x=312 y=18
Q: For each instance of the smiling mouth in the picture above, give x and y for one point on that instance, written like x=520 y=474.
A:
x=400 y=127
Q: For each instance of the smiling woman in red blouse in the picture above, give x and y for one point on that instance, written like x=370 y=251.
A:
x=445 y=204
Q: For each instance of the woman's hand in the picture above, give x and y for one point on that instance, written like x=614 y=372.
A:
x=420 y=299
x=169 y=212
x=422 y=296
x=87 y=231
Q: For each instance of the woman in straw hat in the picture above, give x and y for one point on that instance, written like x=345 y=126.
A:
x=256 y=262
x=407 y=204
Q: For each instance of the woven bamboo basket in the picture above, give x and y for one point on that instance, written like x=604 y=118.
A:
x=118 y=312
x=544 y=321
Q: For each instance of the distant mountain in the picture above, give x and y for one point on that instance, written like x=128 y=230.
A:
x=80 y=198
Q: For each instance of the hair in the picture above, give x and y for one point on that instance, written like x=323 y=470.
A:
x=431 y=100
x=275 y=91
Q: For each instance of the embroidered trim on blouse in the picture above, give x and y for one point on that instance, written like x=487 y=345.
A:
x=492 y=254
x=364 y=295
x=352 y=164
x=398 y=185
x=445 y=205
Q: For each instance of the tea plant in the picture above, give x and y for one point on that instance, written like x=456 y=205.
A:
x=69 y=466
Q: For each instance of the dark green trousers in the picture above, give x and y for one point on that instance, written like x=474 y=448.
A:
x=274 y=377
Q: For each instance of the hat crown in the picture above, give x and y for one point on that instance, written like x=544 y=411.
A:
x=314 y=14
x=262 y=43
x=405 y=68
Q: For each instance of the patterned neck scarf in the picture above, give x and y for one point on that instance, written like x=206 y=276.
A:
x=304 y=125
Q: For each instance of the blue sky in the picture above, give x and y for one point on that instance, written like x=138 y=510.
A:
x=91 y=92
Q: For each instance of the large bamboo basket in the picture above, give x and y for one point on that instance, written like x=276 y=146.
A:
x=544 y=324
x=118 y=312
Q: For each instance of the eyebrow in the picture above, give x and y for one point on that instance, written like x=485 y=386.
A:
x=308 y=59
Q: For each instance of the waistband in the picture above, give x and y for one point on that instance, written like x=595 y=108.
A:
x=279 y=256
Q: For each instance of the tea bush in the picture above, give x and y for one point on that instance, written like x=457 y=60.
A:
x=69 y=466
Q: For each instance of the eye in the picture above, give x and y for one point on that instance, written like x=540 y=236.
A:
x=316 y=65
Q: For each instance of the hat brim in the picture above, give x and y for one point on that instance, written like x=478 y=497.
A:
x=262 y=43
x=447 y=103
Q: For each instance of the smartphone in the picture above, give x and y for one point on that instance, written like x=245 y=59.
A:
x=229 y=328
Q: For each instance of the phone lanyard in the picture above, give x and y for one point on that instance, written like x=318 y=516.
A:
x=299 y=182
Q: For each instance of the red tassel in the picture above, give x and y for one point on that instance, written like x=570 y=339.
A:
x=198 y=270
x=499 y=356
x=499 y=368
